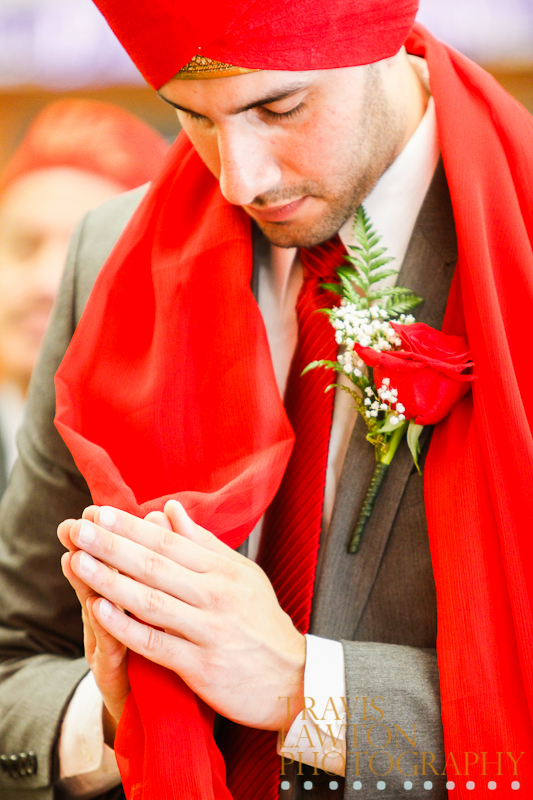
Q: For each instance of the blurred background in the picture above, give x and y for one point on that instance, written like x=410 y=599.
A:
x=58 y=48
x=67 y=93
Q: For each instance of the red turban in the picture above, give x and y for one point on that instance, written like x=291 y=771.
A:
x=163 y=35
x=93 y=137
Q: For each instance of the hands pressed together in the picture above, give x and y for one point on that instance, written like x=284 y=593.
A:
x=210 y=614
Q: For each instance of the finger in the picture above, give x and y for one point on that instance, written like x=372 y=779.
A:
x=89 y=512
x=150 y=605
x=162 y=648
x=84 y=593
x=184 y=525
x=158 y=518
x=63 y=534
x=137 y=561
x=108 y=646
x=109 y=665
x=157 y=538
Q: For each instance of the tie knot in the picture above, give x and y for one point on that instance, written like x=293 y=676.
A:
x=323 y=260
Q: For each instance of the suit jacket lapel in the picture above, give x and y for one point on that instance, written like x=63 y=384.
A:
x=344 y=582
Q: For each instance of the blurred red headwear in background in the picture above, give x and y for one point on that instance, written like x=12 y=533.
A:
x=91 y=136
x=161 y=36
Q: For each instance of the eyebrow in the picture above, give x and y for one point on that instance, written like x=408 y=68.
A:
x=273 y=97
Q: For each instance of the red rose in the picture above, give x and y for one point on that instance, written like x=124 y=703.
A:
x=428 y=372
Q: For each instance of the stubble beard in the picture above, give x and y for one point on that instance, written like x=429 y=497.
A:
x=374 y=146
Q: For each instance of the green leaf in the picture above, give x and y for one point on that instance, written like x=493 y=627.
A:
x=413 y=436
x=349 y=291
x=381 y=262
x=399 y=304
x=323 y=363
x=379 y=276
x=388 y=427
x=332 y=287
x=393 y=291
x=368 y=259
x=367 y=266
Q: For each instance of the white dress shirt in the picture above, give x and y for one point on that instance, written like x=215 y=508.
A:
x=87 y=765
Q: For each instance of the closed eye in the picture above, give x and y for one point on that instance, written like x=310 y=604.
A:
x=193 y=115
x=284 y=114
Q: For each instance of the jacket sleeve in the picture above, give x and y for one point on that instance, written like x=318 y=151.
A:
x=394 y=729
x=41 y=643
x=41 y=636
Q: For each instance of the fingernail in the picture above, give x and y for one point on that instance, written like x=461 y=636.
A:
x=108 y=517
x=105 y=608
x=88 y=564
x=86 y=533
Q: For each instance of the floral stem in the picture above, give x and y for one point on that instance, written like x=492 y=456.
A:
x=378 y=476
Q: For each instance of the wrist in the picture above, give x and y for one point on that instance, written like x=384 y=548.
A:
x=109 y=727
x=291 y=703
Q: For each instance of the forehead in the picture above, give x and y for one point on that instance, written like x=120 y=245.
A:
x=232 y=94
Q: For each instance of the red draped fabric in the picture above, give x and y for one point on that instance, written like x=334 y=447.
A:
x=167 y=390
x=479 y=471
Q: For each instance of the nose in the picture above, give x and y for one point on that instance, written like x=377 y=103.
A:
x=248 y=164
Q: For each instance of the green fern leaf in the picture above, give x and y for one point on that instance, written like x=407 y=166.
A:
x=402 y=305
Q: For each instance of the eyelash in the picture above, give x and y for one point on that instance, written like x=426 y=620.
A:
x=194 y=116
x=272 y=114
x=286 y=114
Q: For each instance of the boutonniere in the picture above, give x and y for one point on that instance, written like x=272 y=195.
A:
x=403 y=374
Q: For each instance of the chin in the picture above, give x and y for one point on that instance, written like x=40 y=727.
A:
x=298 y=234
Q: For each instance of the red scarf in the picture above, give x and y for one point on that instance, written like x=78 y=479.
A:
x=171 y=337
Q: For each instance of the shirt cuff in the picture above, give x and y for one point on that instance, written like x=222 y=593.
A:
x=87 y=766
x=318 y=734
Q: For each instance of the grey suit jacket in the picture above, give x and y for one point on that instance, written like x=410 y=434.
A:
x=381 y=602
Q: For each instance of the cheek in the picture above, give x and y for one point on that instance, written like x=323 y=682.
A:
x=318 y=150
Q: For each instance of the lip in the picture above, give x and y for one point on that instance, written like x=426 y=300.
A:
x=277 y=213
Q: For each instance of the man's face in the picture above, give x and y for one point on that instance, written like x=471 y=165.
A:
x=298 y=151
x=37 y=215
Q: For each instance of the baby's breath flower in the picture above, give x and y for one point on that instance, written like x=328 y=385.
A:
x=369 y=327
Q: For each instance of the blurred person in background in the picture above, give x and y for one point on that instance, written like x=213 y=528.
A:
x=76 y=155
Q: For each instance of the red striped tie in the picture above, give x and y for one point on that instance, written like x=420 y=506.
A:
x=291 y=531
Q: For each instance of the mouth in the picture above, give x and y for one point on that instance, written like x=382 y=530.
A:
x=280 y=213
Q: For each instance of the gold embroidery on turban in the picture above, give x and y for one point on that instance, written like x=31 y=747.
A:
x=200 y=67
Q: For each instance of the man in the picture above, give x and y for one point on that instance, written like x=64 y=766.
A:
x=76 y=155
x=171 y=346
